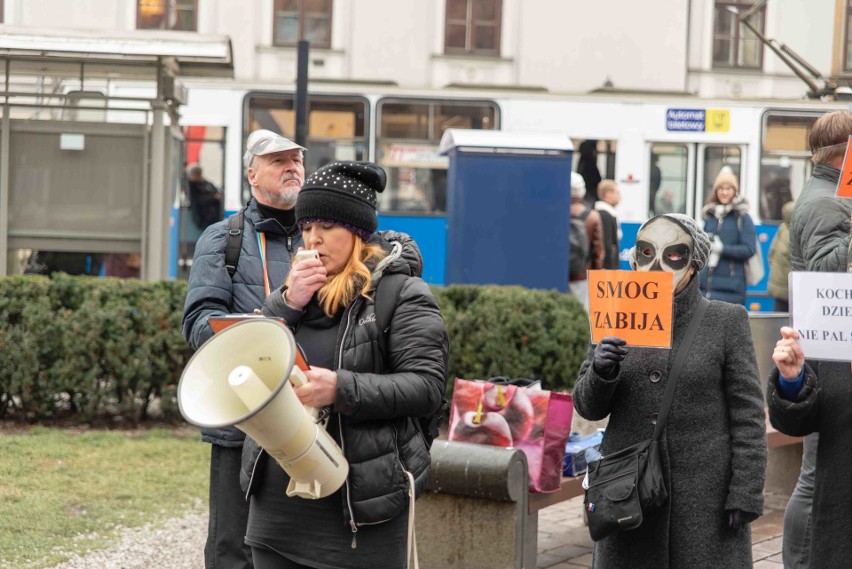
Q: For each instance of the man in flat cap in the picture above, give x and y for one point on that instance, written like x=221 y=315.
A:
x=262 y=238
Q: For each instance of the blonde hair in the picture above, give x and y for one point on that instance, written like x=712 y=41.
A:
x=354 y=278
x=605 y=187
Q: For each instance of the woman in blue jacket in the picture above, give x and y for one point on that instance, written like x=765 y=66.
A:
x=734 y=241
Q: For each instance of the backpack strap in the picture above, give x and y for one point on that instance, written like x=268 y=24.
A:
x=235 y=241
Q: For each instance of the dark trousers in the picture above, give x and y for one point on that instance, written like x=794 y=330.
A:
x=226 y=527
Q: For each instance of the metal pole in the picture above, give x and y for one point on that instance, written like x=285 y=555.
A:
x=302 y=93
x=4 y=181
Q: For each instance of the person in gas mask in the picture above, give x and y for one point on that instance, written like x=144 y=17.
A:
x=713 y=448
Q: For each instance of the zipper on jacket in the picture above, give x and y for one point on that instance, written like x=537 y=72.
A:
x=289 y=244
x=352 y=522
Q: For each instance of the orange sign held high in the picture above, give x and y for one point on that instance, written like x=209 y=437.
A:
x=844 y=184
x=636 y=306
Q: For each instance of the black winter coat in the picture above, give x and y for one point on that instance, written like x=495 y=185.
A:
x=824 y=406
x=212 y=292
x=713 y=447
x=378 y=401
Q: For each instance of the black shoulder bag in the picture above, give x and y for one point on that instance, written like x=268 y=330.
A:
x=625 y=484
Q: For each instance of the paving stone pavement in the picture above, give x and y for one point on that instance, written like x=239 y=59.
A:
x=564 y=542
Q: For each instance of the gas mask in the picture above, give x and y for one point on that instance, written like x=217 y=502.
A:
x=663 y=245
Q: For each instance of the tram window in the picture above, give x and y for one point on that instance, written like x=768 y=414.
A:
x=407 y=147
x=715 y=159
x=595 y=161
x=668 y=179
x=337 y=126
x=785 y=164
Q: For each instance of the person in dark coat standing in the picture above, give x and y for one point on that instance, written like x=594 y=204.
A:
x=734 y=241
x=275 y=169
x=813 y=397
x=205 y=199
x=587 y=167
x=819 y=242
x=713 y=449
x=609 y=195
x=375 y=401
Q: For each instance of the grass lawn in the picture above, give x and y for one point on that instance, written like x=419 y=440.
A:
x=69 y=491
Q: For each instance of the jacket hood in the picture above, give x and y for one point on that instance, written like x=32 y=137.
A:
x=787 y=212
x=403 y=254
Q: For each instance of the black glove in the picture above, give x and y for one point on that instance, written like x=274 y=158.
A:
x=735 y=520
x=608 y=353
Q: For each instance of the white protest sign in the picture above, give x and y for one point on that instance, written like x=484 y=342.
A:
x=821 y=310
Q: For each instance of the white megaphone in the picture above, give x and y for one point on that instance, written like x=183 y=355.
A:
x=241 y=377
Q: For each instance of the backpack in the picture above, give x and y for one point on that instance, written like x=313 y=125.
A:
x=385 y=303
x=578 y=244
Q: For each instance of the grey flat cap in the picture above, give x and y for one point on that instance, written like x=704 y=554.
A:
x=262 y=142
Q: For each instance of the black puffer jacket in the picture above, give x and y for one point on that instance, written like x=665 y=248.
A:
x=212 y=292
x=377 y=406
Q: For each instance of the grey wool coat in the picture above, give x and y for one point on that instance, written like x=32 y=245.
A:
x=824 y=406
x=713 y=448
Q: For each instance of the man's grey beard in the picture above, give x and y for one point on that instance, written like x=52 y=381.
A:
x=283 y=200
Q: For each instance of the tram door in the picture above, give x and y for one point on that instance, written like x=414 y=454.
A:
x=681 y=175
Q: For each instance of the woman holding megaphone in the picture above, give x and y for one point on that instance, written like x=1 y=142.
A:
x=377 y=383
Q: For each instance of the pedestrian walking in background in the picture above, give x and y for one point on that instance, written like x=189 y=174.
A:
x=819 y=241
x=713 y=448
x=609 y=196
x=276 y=171
x=578 y=284
x=376 y=393
x=733 y=241
x=779 y=261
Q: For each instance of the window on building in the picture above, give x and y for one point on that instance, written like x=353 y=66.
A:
x=473 y=26
x=734 y=45
x=847 y=40
x=167 y=15
x=296 y=20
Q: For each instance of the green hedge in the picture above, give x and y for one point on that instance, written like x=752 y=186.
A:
x=82 y=348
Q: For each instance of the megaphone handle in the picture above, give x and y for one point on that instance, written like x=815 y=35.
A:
x=297 y=377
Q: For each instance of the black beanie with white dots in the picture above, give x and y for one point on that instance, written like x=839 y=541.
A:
x=343 y=193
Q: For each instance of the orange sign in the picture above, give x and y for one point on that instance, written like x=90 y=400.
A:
x=636 y=306
x=844 y=184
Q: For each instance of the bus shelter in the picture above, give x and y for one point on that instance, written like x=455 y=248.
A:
x=90 y=149
x=508 y=208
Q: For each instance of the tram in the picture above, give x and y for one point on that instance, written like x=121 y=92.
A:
x=663 y=150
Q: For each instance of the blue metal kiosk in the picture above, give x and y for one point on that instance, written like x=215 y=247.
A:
x=508 y=208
